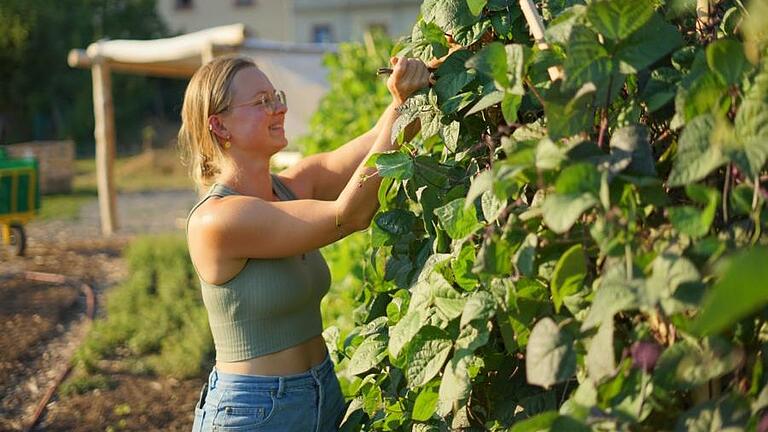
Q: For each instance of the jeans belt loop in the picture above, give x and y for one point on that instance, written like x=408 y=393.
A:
x=280 y=387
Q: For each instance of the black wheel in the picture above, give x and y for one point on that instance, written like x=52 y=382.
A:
x=18 y=242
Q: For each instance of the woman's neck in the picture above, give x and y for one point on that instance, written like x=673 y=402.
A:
x=251 y=178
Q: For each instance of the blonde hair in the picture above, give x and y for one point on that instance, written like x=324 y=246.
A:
x=208 y=92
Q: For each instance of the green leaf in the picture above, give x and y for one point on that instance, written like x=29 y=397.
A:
x=617 y=19
x=455 y=384
x=395 y=222
x=395 y=164
x=650 y=43
x=696 y=155
x=402 y=332
x=486 y=101
x=694 y=221
x=726 y=59
x=450 y=15
x=562 y=211
x=492 y=61
x=457 y=220
x=492 y=206
x=450 y=135
x=576 y=190
x=600 y=359
x=670 y=274
x=587 y=60
x=509 y=106
x=704 y=96
x=550 y=356
x=462 y=267
x=633 y=142
x=568 y=278
x=369 y=354
x=525 y=257
x=615 y=294
x=578 y=179
x=426 y=355
x=453 y=76
x=494 y=257
x=689 y=363
x=480 y=306
x=539 y=423
x=517 y=56
x=476 y=6
x=481 y=183
x=729 y=414
x=425 y=405
x=568 y=113
x=751 y=144
x=740 y=291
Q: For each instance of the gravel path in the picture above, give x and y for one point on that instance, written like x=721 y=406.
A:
x=77 y=249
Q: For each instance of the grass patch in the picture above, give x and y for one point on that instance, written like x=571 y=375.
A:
x=159 y=169
x=65 y=206
x=155 y=320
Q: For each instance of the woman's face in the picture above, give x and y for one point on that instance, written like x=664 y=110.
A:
x=252 y=124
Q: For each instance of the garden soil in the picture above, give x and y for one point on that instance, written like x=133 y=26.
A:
x=41 y=324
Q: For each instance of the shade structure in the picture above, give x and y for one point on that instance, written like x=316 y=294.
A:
x=296 y=68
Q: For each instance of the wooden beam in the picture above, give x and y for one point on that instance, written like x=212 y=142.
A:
x=78 y=58
x=104 y=132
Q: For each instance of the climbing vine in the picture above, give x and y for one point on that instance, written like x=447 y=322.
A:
x=574 y=241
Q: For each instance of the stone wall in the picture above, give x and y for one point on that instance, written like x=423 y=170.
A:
x=56 y=161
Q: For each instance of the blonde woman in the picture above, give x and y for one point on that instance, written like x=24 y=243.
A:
x=253 y=240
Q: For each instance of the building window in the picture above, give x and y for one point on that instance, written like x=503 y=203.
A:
x=184 y=4
x=244 y=2
x=322 y=33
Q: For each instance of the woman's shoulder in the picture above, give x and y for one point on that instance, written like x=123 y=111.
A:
x=295 y=184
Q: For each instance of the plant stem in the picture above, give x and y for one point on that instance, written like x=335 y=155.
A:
x=756 y=193
x=603 y=127
x=628 y=259
x=535 y=92
x=726 y=186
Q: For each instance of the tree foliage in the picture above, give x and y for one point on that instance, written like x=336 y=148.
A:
x=41 y=97
x=583 y=254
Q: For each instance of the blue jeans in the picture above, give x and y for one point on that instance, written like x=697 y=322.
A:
x=310 y=401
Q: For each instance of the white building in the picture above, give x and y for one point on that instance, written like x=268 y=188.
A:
x=294 y=20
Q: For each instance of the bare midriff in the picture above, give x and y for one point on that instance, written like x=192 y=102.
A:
x=290 y=361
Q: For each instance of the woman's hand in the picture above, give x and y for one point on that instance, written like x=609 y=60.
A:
x=408 y=76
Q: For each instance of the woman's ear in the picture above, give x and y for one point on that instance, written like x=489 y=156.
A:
x=217 y=127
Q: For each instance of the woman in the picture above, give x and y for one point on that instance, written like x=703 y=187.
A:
x=253 y=240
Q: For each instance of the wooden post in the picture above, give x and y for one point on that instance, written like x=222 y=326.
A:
x=536 y=26
x=207 y=53
x=104 y=132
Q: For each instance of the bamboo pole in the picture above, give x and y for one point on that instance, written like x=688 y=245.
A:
x=536 y=27
x=104 y=132
x=703 y=14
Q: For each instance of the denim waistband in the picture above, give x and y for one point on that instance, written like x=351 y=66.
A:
x=272 y=383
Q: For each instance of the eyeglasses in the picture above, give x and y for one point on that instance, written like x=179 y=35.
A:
x=270 y=101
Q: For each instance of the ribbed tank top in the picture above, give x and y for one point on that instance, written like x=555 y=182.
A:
x=271 y=304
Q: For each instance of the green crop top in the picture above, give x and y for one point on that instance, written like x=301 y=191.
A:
x=271 y=304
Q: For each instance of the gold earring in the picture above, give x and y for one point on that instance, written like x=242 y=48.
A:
x=227 y=145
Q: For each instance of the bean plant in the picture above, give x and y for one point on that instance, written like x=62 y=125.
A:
x=574 y=240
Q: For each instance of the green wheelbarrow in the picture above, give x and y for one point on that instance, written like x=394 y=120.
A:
x=19 y=200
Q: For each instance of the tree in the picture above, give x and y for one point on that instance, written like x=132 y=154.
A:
x=41 y=97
